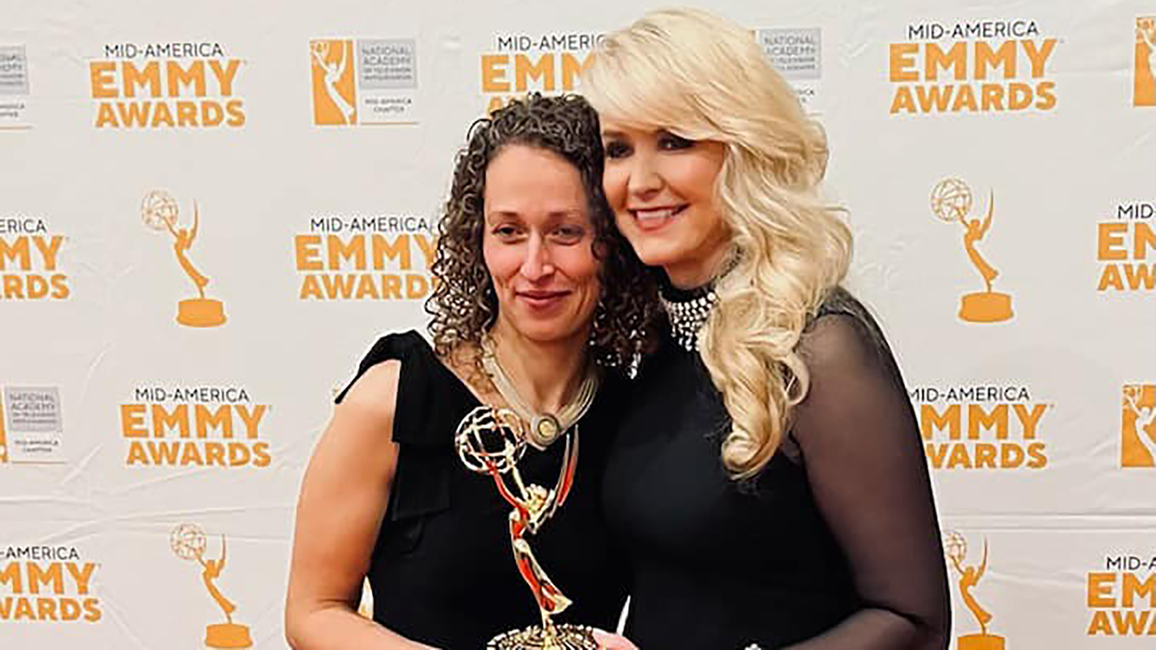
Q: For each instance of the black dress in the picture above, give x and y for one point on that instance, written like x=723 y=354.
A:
x=838 y=523
x=442 y=571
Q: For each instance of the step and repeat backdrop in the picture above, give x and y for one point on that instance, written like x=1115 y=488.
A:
x=209 y=211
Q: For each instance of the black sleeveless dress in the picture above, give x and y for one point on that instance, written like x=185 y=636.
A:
x=442 y=571
x=719 y=564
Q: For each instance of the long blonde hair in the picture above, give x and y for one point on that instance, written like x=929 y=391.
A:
x=705 y=78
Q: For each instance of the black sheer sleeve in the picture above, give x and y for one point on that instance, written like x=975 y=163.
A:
x=860 y=445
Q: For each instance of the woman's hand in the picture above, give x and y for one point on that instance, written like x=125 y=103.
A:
x=610 y=641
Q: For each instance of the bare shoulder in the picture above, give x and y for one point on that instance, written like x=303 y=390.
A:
x=344 y=495
x=356 y=443
x=372 y=398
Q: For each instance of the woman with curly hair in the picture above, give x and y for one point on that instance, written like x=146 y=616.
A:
x=538 y=302
x=768 y=481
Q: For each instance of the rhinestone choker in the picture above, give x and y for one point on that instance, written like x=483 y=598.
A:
x=688 y=311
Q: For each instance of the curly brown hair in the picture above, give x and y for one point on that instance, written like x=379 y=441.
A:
x=463 y=303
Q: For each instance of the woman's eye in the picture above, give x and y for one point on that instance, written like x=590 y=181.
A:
x=672 y=141
x=616 y=150
x=505 y=232
x=569 y=235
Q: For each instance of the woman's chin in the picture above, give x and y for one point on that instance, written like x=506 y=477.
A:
x=657 y=257
x=546 y=330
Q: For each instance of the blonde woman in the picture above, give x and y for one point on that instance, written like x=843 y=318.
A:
x=768 y=479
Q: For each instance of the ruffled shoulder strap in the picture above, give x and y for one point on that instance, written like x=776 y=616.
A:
x=430 y=399
x=430 y=403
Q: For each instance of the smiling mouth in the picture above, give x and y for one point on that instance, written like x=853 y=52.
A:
x=542 y=298
x=657 y=218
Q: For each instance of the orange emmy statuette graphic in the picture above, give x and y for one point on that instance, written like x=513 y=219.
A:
x=1144 y=88
x=955 y=547
x=1139 y=426
x=951 y=202
x=334 y=96
x=188 y=542
x=159 y=212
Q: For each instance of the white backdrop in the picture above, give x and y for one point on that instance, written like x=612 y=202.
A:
x=314 y=142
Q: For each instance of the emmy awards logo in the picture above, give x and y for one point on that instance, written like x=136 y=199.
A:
x=492 y=441
x=159 y=211
x=3 y=436
x=951 y=202
x=188 y=542
x=333 y=92
x=1139 y=447
x=1144 y=91
x=955 y=547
